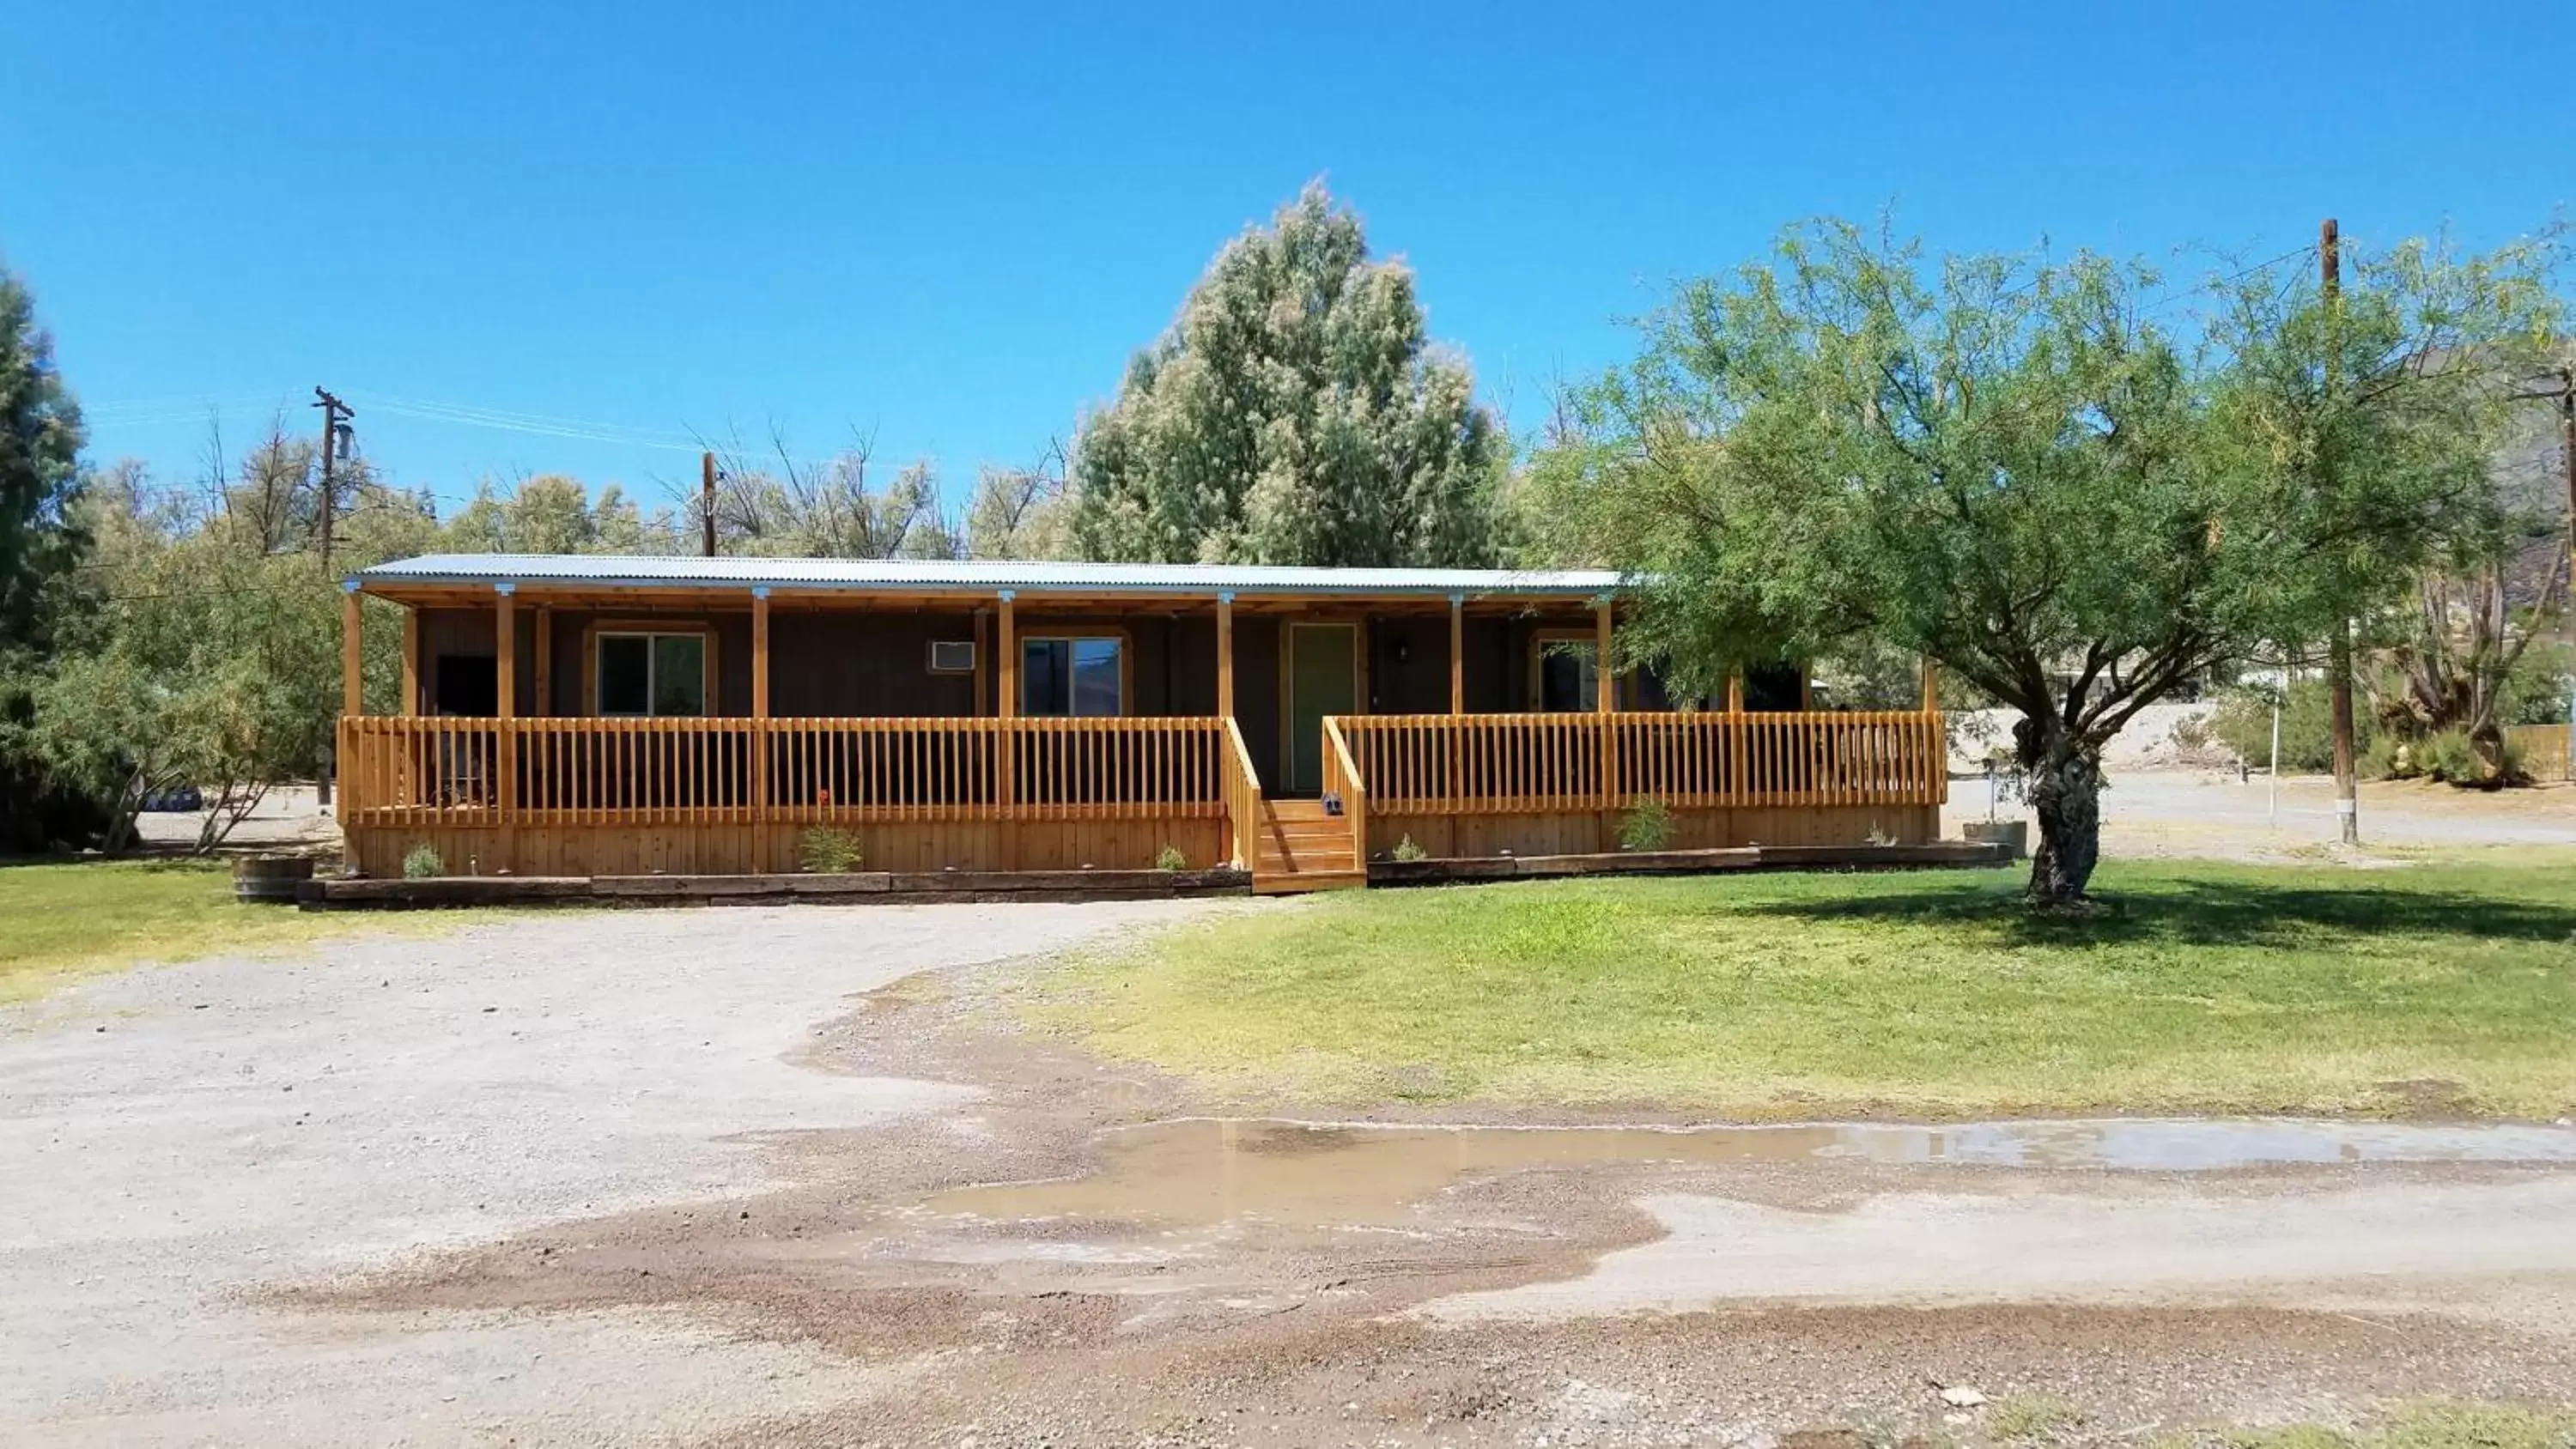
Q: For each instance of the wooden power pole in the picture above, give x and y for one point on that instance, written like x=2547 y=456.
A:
x=2347 y=775
x=335 y=417
x=2567 y=462
x=335 y=420
x=707 y=498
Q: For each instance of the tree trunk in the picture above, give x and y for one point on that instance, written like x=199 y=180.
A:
x=2066 y=792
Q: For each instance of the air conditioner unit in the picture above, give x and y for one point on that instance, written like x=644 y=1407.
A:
x=952 y=656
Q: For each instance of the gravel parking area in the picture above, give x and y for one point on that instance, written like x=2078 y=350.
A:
x=180 y=1138
x=2215 y=814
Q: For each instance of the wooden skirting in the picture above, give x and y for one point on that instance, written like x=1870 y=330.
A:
x=852 y=888
x=1594 y=832
x=1694 y=862
x=675 y=850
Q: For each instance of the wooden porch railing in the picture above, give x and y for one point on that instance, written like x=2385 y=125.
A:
x=1343 y=780
x=411 y=770
x=1242 y=797
x=1504 y=763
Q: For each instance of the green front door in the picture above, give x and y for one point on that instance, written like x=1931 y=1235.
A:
x=1322 y=679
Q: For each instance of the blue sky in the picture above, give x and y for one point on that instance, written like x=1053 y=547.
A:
x=949 y=226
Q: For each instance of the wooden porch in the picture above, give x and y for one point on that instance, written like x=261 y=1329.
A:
x=565 y=797
x=1266 y=774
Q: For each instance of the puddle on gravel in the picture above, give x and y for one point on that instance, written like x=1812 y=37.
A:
x=1203 y=1171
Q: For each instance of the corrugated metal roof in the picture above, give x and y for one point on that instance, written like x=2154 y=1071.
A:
x=783 y=574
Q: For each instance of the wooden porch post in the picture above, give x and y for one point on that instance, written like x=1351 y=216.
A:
x=1006 y=707
x=1457 y=697
x=505 y=651
x=505 y=669
x=408 y=702
x=1606 y=704
x=1225 y=653
x=544 y=703
x=983 y=659
x=1739 y=739
x=353 y=652
x=760 y=729
x=353 y=701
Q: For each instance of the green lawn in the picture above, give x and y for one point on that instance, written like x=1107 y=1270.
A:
x=2444 y=987
x=102 y=914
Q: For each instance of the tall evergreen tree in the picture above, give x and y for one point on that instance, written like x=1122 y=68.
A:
x=40 y=543
x=40 y=443
x=1293 y=414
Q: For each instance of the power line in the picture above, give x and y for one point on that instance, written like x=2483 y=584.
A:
x=666 y=440
x=512 y=415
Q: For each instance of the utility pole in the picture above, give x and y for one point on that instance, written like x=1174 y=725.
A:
x=335 y=421
x=2339 y=647
x=2567 y=460
x=707 y=498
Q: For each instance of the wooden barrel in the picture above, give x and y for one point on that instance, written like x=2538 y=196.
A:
x=271 y=879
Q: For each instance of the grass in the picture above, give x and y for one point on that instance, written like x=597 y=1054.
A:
x=100 y=915
x=2445 y=987
x=2427 y=1424
x=2037 y=1419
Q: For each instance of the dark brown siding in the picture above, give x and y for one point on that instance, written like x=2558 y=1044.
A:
x=1493 y=665
x=1256 y=692
x=864 y=664
x=1409 y=664
x=465 y=632
x=1193 y=664
x=878 y=664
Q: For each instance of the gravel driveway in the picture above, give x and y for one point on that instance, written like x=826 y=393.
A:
x=177 y=1139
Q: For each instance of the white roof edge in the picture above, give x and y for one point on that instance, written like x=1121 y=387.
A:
x=896 y=575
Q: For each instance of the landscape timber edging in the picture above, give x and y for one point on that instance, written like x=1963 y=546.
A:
x=1691 y=862
x=889 y=887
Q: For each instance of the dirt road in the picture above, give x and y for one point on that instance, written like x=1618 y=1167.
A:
x=671 y=1178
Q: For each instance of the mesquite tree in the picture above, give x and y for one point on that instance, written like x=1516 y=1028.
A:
x=2003 y=463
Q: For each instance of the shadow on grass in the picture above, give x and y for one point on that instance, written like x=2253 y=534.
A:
x=2208 y=912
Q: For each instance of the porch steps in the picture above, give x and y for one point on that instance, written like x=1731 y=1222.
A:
x=1300 y=848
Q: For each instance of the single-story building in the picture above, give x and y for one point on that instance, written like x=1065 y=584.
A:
x=587 y=715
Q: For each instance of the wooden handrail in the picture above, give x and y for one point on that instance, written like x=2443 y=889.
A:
x=593 y=771
x=705 y=771
x=1342 y=777
x=1452 y=764
x=1242 y=796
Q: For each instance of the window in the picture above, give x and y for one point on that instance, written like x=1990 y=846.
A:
x=1085 y=677
x=1567 y=682
x=653 y=674
x=952 y=656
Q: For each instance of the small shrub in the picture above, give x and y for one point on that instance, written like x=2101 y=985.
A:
x=423 y=863
x=825 y=851
x=1170 y=858
x=1649 y=826
x=1405 y=849
x=2390 y=758
x=2451 y=759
